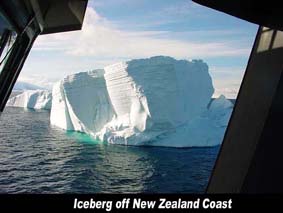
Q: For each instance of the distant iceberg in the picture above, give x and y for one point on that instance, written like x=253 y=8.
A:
x=156 y=101
x=22 y=86
x=33 y=99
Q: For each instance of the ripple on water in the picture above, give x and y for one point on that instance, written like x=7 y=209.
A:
x=38 y=158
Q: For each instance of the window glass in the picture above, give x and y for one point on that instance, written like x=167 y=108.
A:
x=7 y=39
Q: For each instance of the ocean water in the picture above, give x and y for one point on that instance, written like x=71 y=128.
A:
x=38 y=158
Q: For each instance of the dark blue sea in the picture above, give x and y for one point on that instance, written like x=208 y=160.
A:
x=38 y=158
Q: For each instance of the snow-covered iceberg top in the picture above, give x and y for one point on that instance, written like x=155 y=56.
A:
x=139 y=102
x=33 y=99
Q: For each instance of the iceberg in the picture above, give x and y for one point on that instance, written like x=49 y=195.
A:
x=33 y=99
x=80 y=102
x=22 y=86
x=142 y=102
x=206 y=129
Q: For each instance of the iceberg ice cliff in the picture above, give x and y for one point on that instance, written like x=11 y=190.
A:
x=155 y=101
x=80 y=102
x=207 y=129
x=33 y=99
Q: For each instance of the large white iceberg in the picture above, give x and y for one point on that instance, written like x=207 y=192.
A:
x=33 y=99
x=140 y=102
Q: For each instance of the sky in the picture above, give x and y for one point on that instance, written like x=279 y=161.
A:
x=119 y=30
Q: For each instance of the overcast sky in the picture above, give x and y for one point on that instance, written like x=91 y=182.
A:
x=118 y=30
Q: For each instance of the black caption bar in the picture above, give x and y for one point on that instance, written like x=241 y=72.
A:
x=140 y=202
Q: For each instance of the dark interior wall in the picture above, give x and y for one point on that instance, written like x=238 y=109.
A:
x=247 y=147
x=259 y=12
x=265 y=174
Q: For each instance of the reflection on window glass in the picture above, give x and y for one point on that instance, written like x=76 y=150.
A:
x=138 y=101
x=7 y=39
